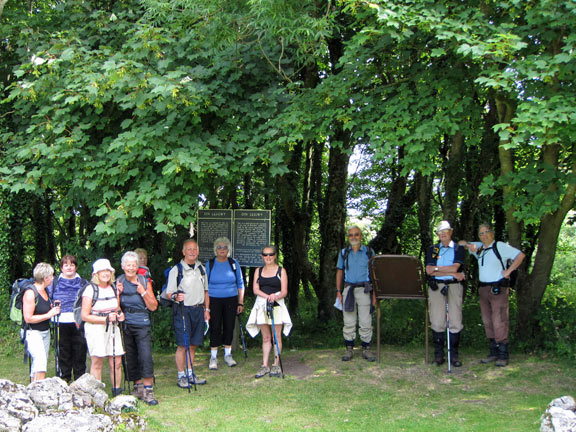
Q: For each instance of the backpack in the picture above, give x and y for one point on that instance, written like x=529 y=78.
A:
x=78 y=301
x=514 y=274
x=163 y=301
x=145 y=271
x=232 y=266
x=17 y=294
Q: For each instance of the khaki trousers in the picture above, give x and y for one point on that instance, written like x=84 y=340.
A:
x=437 y=307
x=360 y=315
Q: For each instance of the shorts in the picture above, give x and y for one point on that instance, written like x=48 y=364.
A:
x=102 y=343
x=38 y=344
x=194 y=322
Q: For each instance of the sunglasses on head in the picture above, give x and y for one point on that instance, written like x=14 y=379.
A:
x=268 y=254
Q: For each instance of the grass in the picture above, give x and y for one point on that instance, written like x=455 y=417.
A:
x=321 y=393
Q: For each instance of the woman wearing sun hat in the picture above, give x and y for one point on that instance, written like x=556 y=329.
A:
x=101 y=319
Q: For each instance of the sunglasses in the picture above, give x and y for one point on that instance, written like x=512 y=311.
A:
x=354 y=235
x=220 y=247
x=268 y=254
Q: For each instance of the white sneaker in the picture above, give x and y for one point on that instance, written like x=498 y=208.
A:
x=229 y=360
x=213 y=365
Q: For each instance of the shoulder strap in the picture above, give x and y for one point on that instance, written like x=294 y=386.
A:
x=201 y=268
x=495 y=249
x=259 y=270
x=210 y=267
x=345 y=257
x=233 y=267
x=143 y=280
x=279 y=273
x=369 y=252
x=180 y=274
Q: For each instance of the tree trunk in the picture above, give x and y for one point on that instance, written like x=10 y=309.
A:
x=332 y=229
x=531 y=291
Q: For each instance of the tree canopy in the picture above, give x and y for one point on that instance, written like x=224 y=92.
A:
x=121 y=118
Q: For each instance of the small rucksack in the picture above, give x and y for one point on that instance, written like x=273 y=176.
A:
x=161 y=299
x=514 y=274
x=78 y=301
x=16 y=296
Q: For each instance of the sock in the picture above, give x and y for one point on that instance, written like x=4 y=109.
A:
x=227 y=350
x=148 y=387
x=214 y=352
x=189 y=373
x=181 y=374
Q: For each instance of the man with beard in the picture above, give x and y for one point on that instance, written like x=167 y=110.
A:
x=355 y=293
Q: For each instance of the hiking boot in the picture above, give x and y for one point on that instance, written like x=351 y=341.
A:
x=493 y=355
x=438 y=339
x=262 y=371
x=117 y=391
x=138 y=391
x=503 y=355
x=183 y=382
x=229 y=360
x=213 y=365
x=276 y=371
x=454 y=349
x=348 y=354
x=149 y=397
x=198 y=381
x=367 y=354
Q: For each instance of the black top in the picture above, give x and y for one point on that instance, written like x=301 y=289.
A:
x=42 y=307
x=270 y=285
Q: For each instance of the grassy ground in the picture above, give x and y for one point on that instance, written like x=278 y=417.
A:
x=322 y=393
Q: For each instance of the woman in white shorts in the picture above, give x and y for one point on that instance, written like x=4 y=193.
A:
x=101 y=318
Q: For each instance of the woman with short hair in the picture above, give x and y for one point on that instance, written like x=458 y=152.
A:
x=226 y=291
x=138 y=302
x=71 y=342
x=36 y=313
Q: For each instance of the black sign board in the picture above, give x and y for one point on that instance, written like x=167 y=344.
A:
x=248 y=230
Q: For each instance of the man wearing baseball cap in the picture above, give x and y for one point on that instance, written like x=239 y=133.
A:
x=444 y=261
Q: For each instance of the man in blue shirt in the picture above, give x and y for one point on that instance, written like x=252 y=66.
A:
x=443 y=267
x=355 y=293
x=494 y=289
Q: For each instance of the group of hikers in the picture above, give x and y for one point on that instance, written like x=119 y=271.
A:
x=115 y=315
x=497 y=262
x=115 y=312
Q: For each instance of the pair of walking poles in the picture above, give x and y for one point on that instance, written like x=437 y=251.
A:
x=270 y=311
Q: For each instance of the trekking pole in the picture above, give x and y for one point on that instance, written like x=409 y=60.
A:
x=242 y=338
x=124 y=364
x=113 y=356
x=448 y=334
x=187 y=356
x=57 y=342
x=270 y=310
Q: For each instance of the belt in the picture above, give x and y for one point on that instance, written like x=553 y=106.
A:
x=100 y=314
x=201 y=305
x=447 y=282
x=487 y=284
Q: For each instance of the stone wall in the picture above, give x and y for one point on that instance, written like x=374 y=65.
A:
x=53 y=406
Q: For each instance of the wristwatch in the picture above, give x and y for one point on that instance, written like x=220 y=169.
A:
x=435 y=269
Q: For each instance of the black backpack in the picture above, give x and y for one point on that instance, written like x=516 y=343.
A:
x=514 y=274
x=17 y=293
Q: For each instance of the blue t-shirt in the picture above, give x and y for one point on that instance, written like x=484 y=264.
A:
x=222 y=281
x=489 y=266
x=357 y=269
x=440 y=255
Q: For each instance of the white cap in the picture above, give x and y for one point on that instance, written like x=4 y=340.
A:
x=102 y=264
x=444 y=225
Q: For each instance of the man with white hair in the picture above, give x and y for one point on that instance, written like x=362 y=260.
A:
x=354 y=290
x=443 y=267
